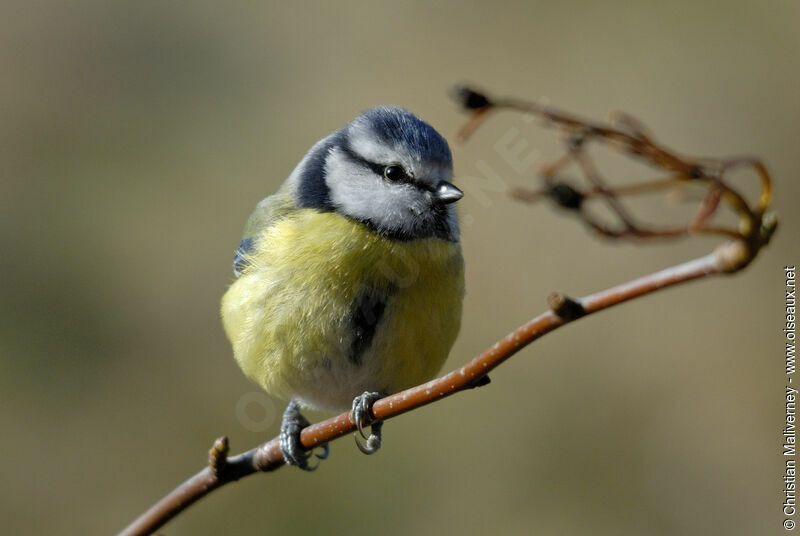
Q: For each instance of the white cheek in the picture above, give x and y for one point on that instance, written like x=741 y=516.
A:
x=357 y=192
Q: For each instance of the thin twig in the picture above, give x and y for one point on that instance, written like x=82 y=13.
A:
x=756 y=224
x=267 y=457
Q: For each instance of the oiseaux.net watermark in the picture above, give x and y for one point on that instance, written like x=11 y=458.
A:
x=789 y=439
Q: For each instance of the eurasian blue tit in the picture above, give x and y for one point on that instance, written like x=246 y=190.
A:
x=350 y=278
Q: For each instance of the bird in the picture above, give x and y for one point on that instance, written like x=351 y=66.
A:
x=349 y=280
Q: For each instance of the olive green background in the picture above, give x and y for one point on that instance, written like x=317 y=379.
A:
x=135 y=137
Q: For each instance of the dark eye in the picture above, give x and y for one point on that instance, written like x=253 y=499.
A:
x=394 y=173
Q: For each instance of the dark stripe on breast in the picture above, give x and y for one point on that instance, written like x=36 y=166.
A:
x=364 y=319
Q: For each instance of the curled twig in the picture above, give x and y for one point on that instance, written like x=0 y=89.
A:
x=755 y=224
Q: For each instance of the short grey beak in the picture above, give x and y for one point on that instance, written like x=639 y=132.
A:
x=447 y=193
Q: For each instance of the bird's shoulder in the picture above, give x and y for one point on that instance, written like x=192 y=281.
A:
x=269 y=211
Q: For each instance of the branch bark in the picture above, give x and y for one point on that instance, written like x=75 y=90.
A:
x=222 y=470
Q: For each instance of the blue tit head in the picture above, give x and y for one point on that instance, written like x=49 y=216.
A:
x=387 y=169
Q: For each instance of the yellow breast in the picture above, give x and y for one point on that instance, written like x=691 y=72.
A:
x=289 y=316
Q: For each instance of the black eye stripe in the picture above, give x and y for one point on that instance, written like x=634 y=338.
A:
x=378 y=169
x=352 y=155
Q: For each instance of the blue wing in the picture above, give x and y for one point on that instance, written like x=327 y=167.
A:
x=240 y=261
x=267 y=212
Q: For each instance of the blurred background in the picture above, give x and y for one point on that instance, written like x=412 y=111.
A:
x=135 y=139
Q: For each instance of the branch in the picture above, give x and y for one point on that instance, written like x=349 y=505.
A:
x=268 y=457
x=753 y=234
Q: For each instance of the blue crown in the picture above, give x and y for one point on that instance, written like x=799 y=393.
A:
x=395 y=125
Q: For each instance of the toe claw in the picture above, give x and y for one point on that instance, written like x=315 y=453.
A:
x=361 y=416
x=361 y=429
x=326 y=450
x=373 y=442
x=294 y=453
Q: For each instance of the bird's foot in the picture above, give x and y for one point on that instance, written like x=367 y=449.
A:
x=292 y=448
x=361 y=416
